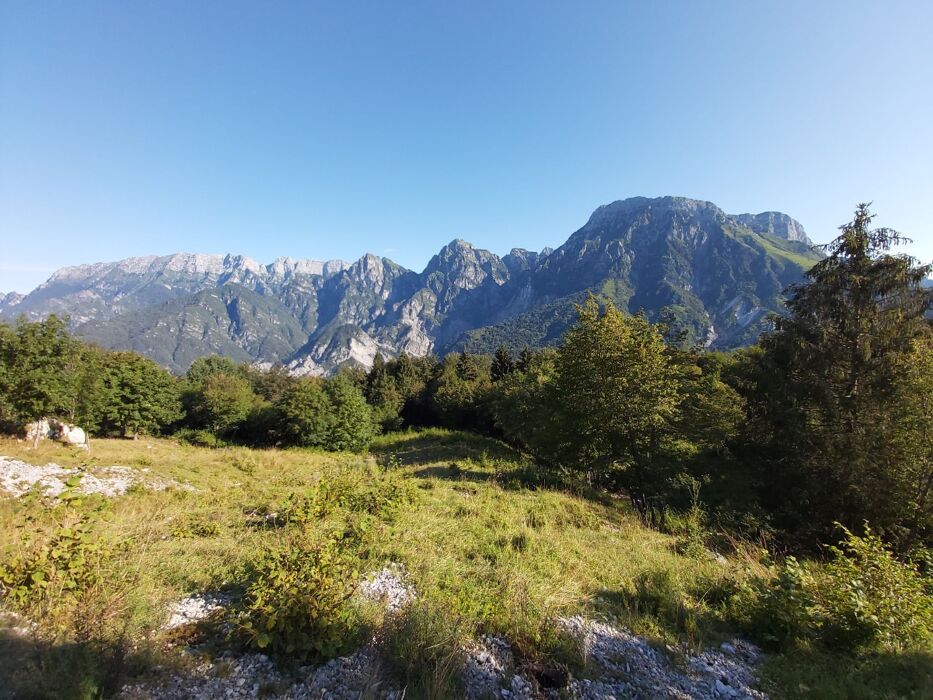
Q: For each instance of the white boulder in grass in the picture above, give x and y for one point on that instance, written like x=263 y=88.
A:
x=60 y=431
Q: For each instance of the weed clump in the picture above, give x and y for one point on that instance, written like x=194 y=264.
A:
x=199 y=438
x=355 y=492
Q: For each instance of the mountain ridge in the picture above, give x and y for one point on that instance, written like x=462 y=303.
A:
x=716 y=275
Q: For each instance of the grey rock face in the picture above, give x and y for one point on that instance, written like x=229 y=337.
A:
x=774 y=223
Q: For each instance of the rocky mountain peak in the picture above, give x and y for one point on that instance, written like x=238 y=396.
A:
x=774 y=223
x=198 y=263
x=644 y=209
x=520 y=260
x=722 y=275
x=10 y=299
x=466 y=267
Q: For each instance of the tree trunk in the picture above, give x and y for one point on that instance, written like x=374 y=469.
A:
x=35 y=442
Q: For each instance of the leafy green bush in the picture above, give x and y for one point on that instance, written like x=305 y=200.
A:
x=863 y=598
x=81 y=601
x=199 y=438
x=352 y=424
x=296 y=601
x=54 y=572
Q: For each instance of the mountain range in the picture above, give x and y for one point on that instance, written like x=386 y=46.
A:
x=717 y=276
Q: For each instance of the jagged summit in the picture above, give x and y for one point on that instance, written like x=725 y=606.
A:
x=718 y=275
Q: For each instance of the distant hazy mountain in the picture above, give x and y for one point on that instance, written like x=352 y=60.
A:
x=716 y=275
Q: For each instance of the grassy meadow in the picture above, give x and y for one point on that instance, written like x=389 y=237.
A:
x=487 y=548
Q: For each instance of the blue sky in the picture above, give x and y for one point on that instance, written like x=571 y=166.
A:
x=329 y=129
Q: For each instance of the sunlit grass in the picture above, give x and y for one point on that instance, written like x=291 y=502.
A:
x=486 y=550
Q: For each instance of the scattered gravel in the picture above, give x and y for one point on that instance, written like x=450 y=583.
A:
x=230 y=677
x=18 y=478
x=236 y=677
x=194 y=609
x=388 y=586
x=488 y=667
x=631 y=668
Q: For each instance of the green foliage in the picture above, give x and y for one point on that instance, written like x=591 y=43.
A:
x=63 y=577
x=138 y=395
x=306 y=413
x=357 y=492
x=199 y=438
x=222 y=402
x=459 y=393
x=382 y=393
x=204 y=367
x=269 y=384
x=39 y=369
x=56 y=571
x=619 y=393
x=862 y=599
x=296 y=601
x=502 y=363
x=333 y=415
x=836 y=421
x=352 y=426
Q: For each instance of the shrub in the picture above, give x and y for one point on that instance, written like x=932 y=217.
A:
x=199 y=438
x=306 y=414
x=82 y=605
x=296 y=601
x=333 y=415
x=54 y=573
x=863 y=598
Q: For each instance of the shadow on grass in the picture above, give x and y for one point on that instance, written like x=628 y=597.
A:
x=452 y=473
x=437 y=451
x=32 y=668
x=829 y=676
x=432 y=446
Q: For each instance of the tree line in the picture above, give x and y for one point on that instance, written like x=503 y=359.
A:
x=828 y=421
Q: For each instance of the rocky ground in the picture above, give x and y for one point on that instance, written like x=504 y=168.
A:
x=619 y=665
x=631 y=668
x=19 y=478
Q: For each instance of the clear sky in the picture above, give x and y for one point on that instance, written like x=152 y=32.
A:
x=330 y=129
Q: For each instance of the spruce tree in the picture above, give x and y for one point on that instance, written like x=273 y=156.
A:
x=828 y=385
x=502 y=363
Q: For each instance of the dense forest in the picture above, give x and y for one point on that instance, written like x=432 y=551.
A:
x=821 y=433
